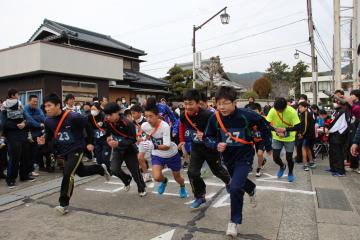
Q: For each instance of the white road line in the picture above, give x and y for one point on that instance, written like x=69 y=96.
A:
x=115 y=183
x=273 y=181
x=104 y=190
x=166 y=194
x=222 y=201
x=166 y=236
x=206 y=182
x=277 y=189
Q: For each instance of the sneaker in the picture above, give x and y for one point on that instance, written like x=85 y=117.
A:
x=357 y=170
x=62 y=210
x=336 y=174
x=185 y=165
x=183 y=193
x=306 y=168
x=11 y=185
x=107 y=175
x=312 y=165
x=27 y=179
x=162 y=186
x=281 y=171
x=252 y=197
x=329 y=170
x=147 y=177
x=263 y=164
x=232 y=230
x=198 y=202
x=35 y=174
x=258 y=172
x=127 y=188
x=291 y=177
x=142 y=194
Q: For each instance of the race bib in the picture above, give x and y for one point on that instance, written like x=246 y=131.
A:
x=191 y=135
x=98 y=133
x=117 y=138
x=236 y=132
x=65 y=136
x=157 y=141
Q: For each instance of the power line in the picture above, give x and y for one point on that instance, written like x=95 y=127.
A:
x=322 y=58
x=254 y=53
x=323 y=45
x=229 y=42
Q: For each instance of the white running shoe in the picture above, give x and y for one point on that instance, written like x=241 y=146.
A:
x=253 y=202
x=258 y=172
x=107 y=175
x=62 y=210
x=127 y=188
x=232 y=230
x=143 y=194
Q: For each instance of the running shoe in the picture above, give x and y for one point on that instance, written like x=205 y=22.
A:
x=183 y=193
x=291 y=177
x=11 y=185
x=198 y=202
x=336 y=174
x=127 y=186
x=142 y=194
x=106 y=173
x=357 y=170
x=306 y=168
x=252 y=197
x=258 y=172
x=162 y=186
x=62 y=210
x=281 y=171
x=232 y=230
x=312 y=165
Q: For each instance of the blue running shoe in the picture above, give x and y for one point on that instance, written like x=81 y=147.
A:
x=281 y=171
x=291 y=177
x=162 y=186
x=183 y=193
x=198 y=202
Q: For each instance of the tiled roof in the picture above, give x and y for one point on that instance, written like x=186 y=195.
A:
x=142 y=78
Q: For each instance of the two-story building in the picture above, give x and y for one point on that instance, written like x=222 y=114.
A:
x=65 y=59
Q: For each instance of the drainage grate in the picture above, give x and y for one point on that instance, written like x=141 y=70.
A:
x=332 y=199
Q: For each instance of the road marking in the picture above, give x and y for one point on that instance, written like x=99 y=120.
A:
x=207 y=197
x=277 y=189
x=206 y=182
x=166 y=236
x=222 y=201
x=271 y=178
x=115 y=183
x=104 y=190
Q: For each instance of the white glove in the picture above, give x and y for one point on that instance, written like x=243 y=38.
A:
x=148 y=145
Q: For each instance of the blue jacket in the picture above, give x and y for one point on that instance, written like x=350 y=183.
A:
x=34 y=117
x=239 y=123
x=169 y=117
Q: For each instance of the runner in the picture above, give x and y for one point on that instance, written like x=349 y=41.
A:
x=258 y=142
x=139 y=119
x=65 y=130
x=163 y=150
x=102 y=149
x=194 y=119
x=228 y=131
x=286 y=122
x=121 y=137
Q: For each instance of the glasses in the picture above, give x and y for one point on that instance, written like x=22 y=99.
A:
x=227 y=103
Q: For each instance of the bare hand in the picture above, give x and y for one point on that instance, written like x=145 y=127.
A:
x=21 y=125
x=280 y=130
x=181 y=144
x=90 y=147
x=200 y=135
x=41 y=140
x=113 y=143
x=221 y=147
x=354 y=150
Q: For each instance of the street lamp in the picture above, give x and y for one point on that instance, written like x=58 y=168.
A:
x=314 y=73
x=224 y=17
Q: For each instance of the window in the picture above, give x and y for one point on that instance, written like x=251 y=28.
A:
x=307 y=87
x=82 y=91
x=24 y=96
x=324 y=86
x=127 y=64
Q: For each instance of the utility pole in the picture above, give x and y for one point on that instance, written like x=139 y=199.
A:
x=355 y=43
x=337 y=46
x=313 y=56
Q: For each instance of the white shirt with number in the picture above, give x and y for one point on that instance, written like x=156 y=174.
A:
x=162 y=136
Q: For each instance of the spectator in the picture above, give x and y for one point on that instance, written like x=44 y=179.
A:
x=86 y=109
x=15 y=132
x=103 y=101
x=303 y=98
x=35 y=119
x=124 y=103
x=355 y=148
x=251 y=100
x=70 y=103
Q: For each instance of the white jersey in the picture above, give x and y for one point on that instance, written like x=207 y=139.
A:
x=161 y=137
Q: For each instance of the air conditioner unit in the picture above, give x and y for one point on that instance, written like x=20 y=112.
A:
x=112 y=83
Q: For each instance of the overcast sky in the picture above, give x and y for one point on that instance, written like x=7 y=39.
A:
x=163 y=28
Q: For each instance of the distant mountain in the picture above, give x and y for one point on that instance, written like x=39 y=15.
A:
x=245 y=79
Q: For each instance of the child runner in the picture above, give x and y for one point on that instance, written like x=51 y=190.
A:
x=228 y=131
x=195 y=120
x=65 y=130
x=258 y=142
x=121 y=137
x=163 y=150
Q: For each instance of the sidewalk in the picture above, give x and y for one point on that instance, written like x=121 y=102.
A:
x=337 y=203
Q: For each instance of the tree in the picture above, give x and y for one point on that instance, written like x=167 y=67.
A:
x=298 y=71
x=262 y=87
x=248 y=94
x=179 y=81
x=279 y=75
